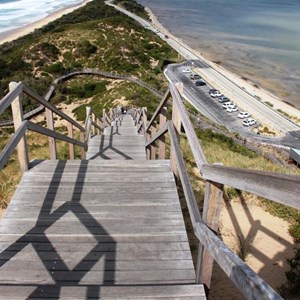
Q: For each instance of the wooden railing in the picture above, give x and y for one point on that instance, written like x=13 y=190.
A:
x=284 y=189
x=87 y=71
x=94 y=124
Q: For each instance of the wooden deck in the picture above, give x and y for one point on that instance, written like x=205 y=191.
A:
x=109 y=228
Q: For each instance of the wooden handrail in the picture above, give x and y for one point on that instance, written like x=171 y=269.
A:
x=13 y=97
x=196 y=148
x=48 y=132
x=280 y=188
x=47 y=104
x=12 y=144
x=184 y=177
x=10 y=97
x=245 y=279
x=264 y=184
x=162 y=103
x=162 y=131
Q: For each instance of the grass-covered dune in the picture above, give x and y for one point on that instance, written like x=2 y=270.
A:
x=94 y=36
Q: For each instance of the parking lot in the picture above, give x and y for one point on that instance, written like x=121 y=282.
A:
x=209 y=106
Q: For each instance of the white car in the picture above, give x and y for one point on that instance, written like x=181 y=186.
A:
x=231 y=109
x=243 y=115
x=216 y=94
x=186 y=71
x=249 y=122
x=228 y=104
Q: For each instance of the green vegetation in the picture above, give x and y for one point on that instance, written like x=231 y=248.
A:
x=133 y=6
x=293 y=275
x=269 y=103
x=94 y=36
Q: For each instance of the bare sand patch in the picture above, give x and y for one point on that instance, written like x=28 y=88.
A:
x=16 y=33
x=268 y=239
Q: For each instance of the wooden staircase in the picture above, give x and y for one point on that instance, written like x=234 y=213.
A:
x=110 y=227
x=118 y=141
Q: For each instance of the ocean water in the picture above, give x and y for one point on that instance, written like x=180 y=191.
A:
x=18 y=13
x=257 y=39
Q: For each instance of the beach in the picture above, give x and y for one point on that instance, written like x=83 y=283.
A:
x=257 y=40
x=240 y=80
x=13 y=34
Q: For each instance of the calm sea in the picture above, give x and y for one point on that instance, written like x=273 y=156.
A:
x=258 y=39
x=18 y=13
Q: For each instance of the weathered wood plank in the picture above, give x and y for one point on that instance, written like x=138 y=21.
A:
x=187 y=291
x=196 y=148
x=17 y=112
x=12 y=144
x=281 y=188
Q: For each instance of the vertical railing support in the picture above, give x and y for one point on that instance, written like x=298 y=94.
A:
x=153 y=146
x=94 y=121
x=17 y=112
x=103 y=118
x=82 y=149
x=51 y=141
x=162 y=139
x=71 y=146
x=177 y=125
x=211 y=217
x=144 y=112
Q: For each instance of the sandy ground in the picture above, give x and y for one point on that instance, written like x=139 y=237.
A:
x=16 y=33
x=245 y=84
x=267 y=239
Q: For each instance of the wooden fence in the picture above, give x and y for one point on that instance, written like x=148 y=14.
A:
x=281 y=188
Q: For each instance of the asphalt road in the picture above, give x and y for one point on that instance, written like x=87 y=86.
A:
x=199 y=97
x=264 y=114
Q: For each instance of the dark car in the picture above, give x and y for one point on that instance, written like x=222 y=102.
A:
x=200 y=83
x=212 y=91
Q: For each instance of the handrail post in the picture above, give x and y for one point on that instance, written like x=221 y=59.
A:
x=51 y=140
x=162 y=139
x=211 y=216
x=94 y=121
x=104 y=118
x=82 y=148
x=153 y=146
x=17 y=112
x=144 y=112
x=71 y=146
x=177 y=125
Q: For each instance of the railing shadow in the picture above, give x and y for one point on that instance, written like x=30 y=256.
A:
x=103 y=148
x=248 y=230
x=48 y=252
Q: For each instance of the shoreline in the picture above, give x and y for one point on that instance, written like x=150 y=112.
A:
x=251 y=87
x=14 y=34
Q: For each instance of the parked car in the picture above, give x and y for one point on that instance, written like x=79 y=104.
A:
x=195 y=76
x=216 y=94
x=231 y=109
x=249 y=122
x=212 y=91
x=243 y=115
x=223 y=99
x=200 y=83
x=228 y=104
x=186 y=70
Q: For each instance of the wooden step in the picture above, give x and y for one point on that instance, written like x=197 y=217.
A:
x=75 y=223
x=189 y=291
